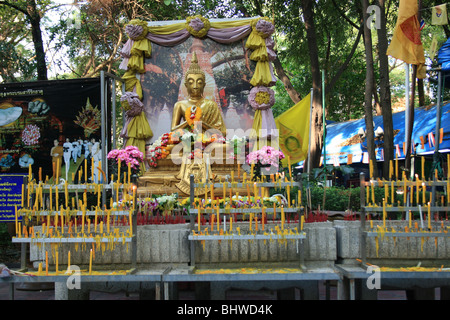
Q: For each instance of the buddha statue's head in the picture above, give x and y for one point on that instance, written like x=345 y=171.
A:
x=195 y=79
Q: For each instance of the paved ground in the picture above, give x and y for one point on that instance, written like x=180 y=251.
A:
x=185 y=294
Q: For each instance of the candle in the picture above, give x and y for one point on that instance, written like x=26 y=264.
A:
x=40 y=173
x=302 y=220
x=46 y=263
x=212 y=191
x=57 y=171
x=386 y=192
x=66 y=193
x=85 y=170
x=384 y=213
x=92 y=171
x=424 y=189
x=17 y=219
x=239 y=172
x=80 y=172
x=23 y=195
x=263 y=216
x=56 y=262
x=250 y=221
x=244 y=179
x=392 y=193
x=282 y=217
x=48 y=225
x=299 y=197
x=405 y=192
x=68 y=262
x=429 y=215
x=90 y=261
x=198 y=217
x=391 y=169
x=95 y=221
x=231 y=223
x=289 y=166
x=98 y=195
x=251 y=170
x=417 y=189
x=129 y=172
x=423 y=168
x=410 y=219
x=82 y=218
x=448 y=167
x=62 y=220
x=371 y=169
x=218 y=216
x=40 y=269
x=232 y=176
x=29 y=172
x=56 y=197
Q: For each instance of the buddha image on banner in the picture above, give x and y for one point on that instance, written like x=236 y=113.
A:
x=228 y=70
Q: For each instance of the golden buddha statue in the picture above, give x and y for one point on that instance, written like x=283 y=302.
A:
x=197 y=108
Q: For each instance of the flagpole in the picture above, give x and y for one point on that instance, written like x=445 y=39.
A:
x=437 y=137
x=407 y=111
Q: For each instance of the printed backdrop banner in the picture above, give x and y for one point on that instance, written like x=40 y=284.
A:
x=228 y=70
x=36 y=117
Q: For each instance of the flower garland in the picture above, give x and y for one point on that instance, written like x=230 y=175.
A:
x=192 y=115
x=198 y=26
x=261 y=98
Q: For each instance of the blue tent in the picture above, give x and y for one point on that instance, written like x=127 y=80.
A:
x=342 y=138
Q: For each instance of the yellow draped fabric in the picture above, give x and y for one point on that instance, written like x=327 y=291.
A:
x=138 y=132
x=257 y=120
x=138 y=129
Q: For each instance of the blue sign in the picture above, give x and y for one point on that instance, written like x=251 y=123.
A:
x=10 y=196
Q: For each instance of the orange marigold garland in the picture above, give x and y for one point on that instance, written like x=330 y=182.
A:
x=193 y=114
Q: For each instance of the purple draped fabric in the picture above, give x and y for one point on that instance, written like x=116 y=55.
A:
x=268 y=126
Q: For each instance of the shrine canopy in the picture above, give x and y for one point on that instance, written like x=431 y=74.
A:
x=344 y=145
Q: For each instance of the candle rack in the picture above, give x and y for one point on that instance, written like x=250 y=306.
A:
x=407 y=188
x=61 y=227
x=254 y=232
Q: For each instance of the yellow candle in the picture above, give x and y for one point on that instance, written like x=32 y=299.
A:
x=85 y=170
x=429 y=215
x=95 y=221
x=405 y=191
x=410 y=219
x=40 y=174
x=371 y=169
x=218 y=215
x=299 y=197
x=48 y=225
x=250 y=221
x=129 y=172
x=66 y=192
x=17 y=219
x=231 y=223
x=130 y=218
x=92 y=171
x=68 y=261
x=373 y=192
x=302 y=220
x=417 y=189
x=224 y=188
x=244 y=177
x=46 y=263
x=448 y=167
x=282 y=217
x=386 y=191
x=232 y=176
x=251 y=170
x=40 y=269
x=424 y=189
x=98 y=195
x=90 y=261
x=82 y=218
x=198 y=217
x=62 y=220
x=29 y=172
x=392 y=192
x=384 y=213
x=56 y=262
x=391 y=169
x=101 y=227
x=57 y=170
x=56 y=197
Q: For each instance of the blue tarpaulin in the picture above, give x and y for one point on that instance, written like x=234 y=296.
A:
x=342 y=138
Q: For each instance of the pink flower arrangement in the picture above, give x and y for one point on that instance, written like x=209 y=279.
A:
x=265 y=28
x=130 y=155
x=267 y=158
x=261 y=98
x=31 y=135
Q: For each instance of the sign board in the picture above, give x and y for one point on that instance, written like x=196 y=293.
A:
x=10 y=196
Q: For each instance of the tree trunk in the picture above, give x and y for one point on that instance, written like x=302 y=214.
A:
x=369 y=89
x=293 y=94
x=317 y=112
x=385 y=92
x=35 y=21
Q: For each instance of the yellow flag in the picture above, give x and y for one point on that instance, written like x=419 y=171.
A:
x=293 y=126
x=406 y=44
x=439 y=15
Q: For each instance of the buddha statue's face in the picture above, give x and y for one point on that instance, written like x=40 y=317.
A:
x=195 y=83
